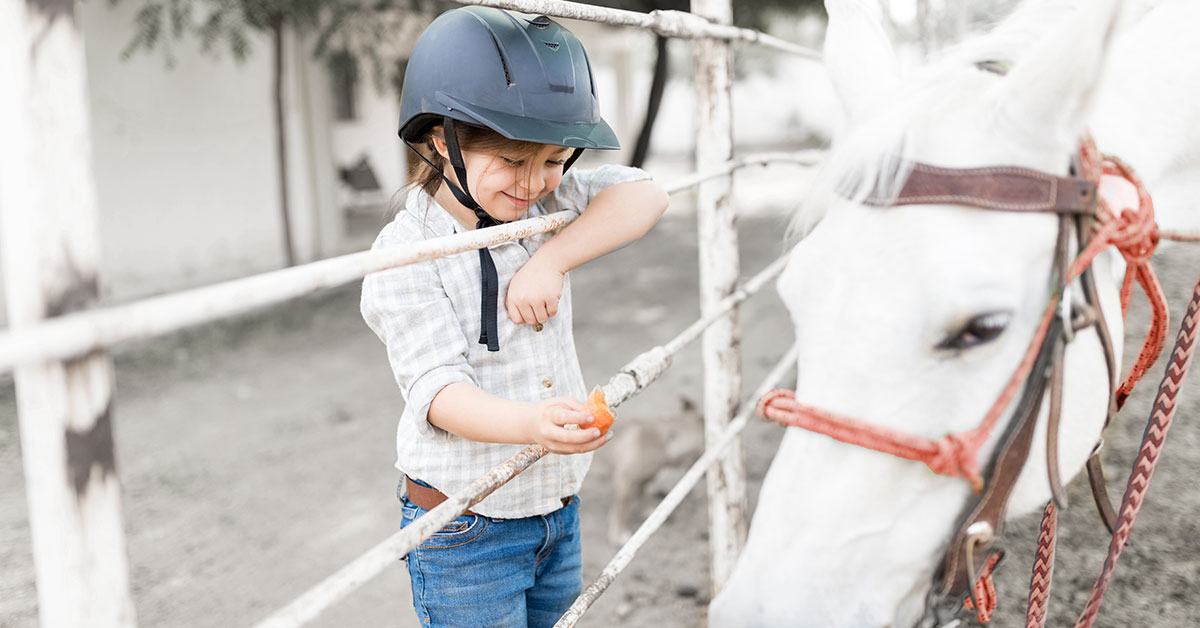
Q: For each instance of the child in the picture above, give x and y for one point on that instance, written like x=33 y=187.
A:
x=497 y=105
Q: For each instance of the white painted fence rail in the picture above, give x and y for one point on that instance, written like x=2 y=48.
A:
x=676 y=495
x=103 y=328
x=630 y=379
x=678 y=24
x=78 y=334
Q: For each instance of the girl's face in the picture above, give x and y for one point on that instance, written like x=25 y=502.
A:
x=506 y=185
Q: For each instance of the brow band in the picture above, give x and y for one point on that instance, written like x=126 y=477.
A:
x=997 y=188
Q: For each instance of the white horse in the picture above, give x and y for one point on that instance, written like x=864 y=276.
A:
x=915 y=317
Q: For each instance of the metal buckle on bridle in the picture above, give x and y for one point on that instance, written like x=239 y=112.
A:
x=1065 y=314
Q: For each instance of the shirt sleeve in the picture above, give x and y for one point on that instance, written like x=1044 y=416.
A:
x=408 y=309
x=579 y=187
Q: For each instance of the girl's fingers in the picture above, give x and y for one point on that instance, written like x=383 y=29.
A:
x=539 y=313
x=514 y=314
x=577 y=437
x=581 y=441
x=572 y=404
x=565 y=416
x=527 y=316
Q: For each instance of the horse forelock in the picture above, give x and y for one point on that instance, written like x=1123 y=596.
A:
x=876 y=151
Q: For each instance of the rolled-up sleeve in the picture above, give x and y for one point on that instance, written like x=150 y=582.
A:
x=408 y=309
x=579 y=187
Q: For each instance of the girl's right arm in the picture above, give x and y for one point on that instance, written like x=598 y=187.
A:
x=408 y=308
x=466 y=410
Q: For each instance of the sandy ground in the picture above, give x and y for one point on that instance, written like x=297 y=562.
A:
x=256 y=458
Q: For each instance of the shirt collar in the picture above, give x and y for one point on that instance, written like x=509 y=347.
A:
x=436 y=218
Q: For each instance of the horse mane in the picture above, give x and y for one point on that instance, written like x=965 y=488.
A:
x=874 y=153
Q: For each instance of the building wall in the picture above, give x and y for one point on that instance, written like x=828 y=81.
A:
x=184 y=160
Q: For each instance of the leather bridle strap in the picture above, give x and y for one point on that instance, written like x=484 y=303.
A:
x=984 y=519
x=1009 y=189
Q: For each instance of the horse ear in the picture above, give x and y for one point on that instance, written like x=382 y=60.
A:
x=858 y=54
x=1050 y=89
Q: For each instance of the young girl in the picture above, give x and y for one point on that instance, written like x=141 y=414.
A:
x=497 y=106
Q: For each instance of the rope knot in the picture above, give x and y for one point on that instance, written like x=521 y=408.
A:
x=954 y=456
x=1135 y=234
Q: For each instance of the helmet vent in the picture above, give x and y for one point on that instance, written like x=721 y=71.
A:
x=540 y=21
x=553 y=45
x=503 y=62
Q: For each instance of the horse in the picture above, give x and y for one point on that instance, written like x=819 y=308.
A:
x=916 y=316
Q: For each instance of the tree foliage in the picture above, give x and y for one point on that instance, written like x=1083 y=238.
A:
x=372 y=31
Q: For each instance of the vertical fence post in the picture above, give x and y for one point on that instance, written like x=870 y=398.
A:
x=718 y=276
x=51 y=251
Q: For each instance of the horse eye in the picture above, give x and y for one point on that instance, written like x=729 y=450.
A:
x=979 y=330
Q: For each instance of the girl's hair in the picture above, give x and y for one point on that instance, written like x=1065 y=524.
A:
x=470 y=138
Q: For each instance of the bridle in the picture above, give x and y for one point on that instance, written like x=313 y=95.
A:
x=965 y=570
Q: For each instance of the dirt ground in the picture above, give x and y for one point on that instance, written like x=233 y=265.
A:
x=256 y=458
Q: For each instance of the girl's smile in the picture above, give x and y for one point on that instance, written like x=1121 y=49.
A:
x=519 y=202
x=504 y=186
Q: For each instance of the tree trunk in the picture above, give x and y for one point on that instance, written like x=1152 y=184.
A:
x=657 y=85
x=289 y=251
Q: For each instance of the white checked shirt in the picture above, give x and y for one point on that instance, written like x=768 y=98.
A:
x=427 y=314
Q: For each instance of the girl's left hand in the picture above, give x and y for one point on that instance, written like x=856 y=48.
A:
x=534 y=292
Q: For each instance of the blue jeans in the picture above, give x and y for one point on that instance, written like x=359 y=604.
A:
x=479 y=572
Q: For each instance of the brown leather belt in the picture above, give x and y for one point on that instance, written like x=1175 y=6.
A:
x=429 y=498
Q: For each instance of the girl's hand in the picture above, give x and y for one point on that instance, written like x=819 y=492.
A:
x=534 y=292
x=551 y=418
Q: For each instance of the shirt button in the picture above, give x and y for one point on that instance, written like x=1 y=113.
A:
x=537 y=327
x=547 y=382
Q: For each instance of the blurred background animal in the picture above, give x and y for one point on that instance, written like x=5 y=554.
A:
x=648 y=446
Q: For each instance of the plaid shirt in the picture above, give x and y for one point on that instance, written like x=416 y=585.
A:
x=427 y=314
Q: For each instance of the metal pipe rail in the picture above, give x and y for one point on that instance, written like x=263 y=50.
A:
x=622 y=558
x=631 y=378
x=82 y=333
x=679 y=24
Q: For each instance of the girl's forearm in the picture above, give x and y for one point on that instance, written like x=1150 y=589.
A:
x=617 y=215
x=467 y=411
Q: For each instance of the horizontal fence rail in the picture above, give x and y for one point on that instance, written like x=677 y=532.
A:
x=675 y=497
x=801 y=158
x=94 y=330
x=103 y=328
x=630 y=379
x=680 y=24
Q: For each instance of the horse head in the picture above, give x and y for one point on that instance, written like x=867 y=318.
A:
x=915 y=317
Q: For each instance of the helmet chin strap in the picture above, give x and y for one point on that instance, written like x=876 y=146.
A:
x=489 y=333
x=489 y=329
x=570 y=160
